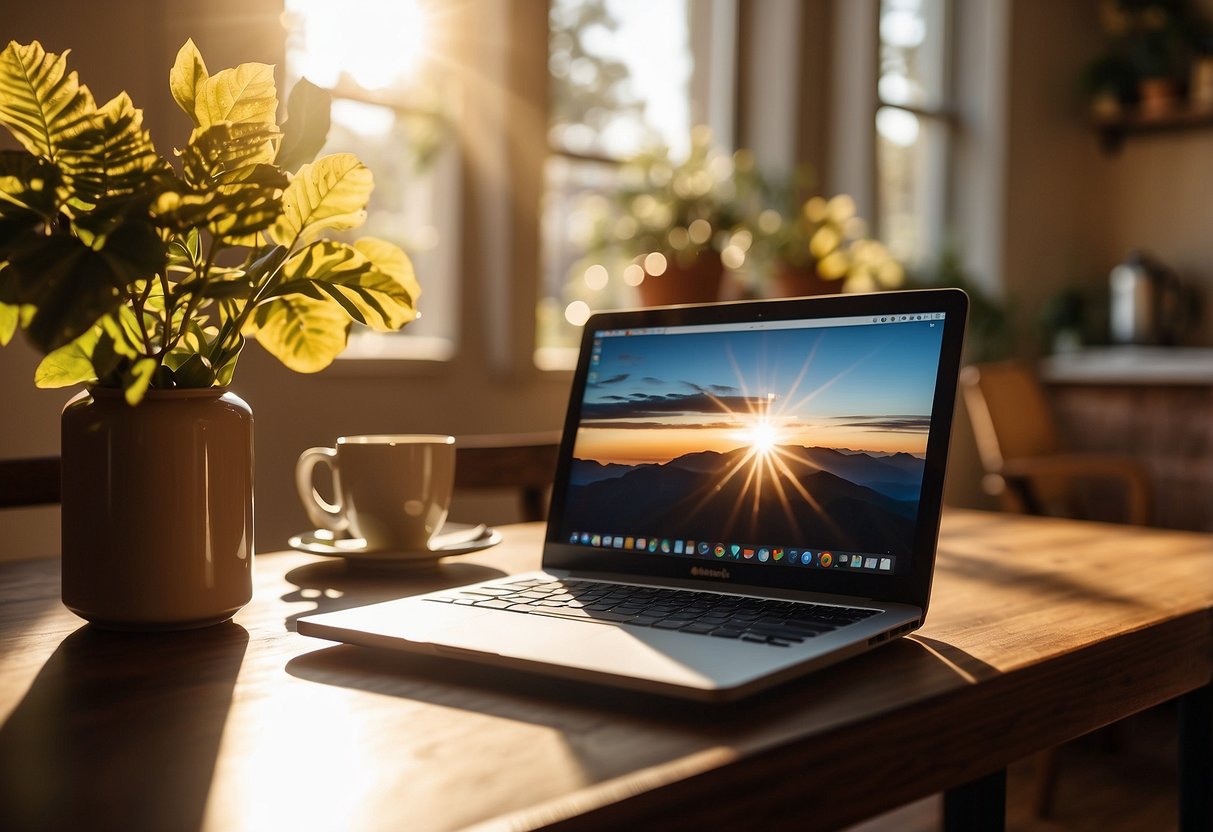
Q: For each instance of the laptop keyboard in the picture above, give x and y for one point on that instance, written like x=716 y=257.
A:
x=766 y=621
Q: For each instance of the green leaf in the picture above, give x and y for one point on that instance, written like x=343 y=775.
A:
x=114 y=156
x=41 y=103
x=245 y=93
x=304 y=132
x=133 y=250
x=331 y=192
x=9 y=317
x=138 y=379
x=71 y=285
x=264 y=262
x=218 y=153
x=340 y=272
x=303 y=333
x=123 y=331
x=28 y=192
x=233 y=286
x=70 y=364
x=228 y=188
x=187 y=75
x=194 y=371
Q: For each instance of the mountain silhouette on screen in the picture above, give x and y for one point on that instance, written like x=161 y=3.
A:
x=858 y=501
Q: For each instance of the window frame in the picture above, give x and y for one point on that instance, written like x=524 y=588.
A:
x=944 y=116
x=712 y=89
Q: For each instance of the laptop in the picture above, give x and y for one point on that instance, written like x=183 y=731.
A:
x=745 y=492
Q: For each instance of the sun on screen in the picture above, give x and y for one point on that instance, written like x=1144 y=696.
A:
x=762 y=437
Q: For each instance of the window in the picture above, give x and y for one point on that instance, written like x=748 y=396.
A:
x=914 y=127
x=380 y=60
x=624 y=76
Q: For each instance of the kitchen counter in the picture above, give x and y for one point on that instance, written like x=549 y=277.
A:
x=1152 y=403
x=1131 y=365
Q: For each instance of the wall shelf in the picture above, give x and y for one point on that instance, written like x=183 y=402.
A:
x=1113 y=131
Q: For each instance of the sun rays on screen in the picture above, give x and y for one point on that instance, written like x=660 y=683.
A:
x=795 y=420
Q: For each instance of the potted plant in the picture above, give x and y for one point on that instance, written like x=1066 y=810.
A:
x=142 y=280
x=669 y=225
x=1151 y=37
x=820 y=246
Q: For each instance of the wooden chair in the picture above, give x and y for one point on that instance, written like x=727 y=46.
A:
x=1029 y=469
x=29 y=482
x=524 y=462
x=1025 y=462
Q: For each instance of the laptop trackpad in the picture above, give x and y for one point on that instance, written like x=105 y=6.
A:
x=606 y=649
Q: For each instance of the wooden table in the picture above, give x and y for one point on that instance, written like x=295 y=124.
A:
x=1040 y=630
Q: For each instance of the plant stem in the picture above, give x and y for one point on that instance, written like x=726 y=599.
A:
x=232 y=327
x=204 y=276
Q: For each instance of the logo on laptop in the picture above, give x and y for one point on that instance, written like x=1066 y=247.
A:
x=701 y=572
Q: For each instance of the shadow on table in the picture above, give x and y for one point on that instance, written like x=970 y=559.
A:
x=1007 y=572
x=827 y=694
x=120 y=730
x=334 y=585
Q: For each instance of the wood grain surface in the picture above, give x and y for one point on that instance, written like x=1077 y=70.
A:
x=1039 y=631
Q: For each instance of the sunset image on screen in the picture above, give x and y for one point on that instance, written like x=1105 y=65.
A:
x=784 y=434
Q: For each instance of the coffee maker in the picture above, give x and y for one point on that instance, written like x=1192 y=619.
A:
x=1149 y=305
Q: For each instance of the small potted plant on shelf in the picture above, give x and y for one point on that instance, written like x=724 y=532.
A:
x=1148 y=45
x=142 y=280
x=674 y=228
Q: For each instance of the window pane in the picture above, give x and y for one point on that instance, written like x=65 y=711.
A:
x=379 y=59
x=911 y=160
x=912 y=54
x=620 y=73
x=573 y=204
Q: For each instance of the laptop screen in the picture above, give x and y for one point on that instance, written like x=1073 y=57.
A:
x=780 y=444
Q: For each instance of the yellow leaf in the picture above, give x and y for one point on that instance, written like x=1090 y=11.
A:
x=186 y=76
x=9 y=316
x=41 y=103
x=325 y=269
x=392 y=261
x=113 y=157
x=243 y=94
x=70 y=364
x=303 y=333
x=331 y=192
x=139 y=378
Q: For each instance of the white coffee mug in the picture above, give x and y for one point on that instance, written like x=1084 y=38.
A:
x=391 y=490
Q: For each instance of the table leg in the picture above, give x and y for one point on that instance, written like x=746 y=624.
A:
x=1196 y=760
x=978 y=804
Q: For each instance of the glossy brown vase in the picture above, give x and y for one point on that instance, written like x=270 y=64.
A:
x=157 y=508
x=697 y=282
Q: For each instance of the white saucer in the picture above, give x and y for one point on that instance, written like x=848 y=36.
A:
x=454 y=539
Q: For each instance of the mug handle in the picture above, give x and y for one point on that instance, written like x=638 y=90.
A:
x=322 y=513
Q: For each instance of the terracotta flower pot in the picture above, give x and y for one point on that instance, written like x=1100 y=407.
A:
x=797 y=281
x=1158 y=96
x=157 y=508
x=697 y=282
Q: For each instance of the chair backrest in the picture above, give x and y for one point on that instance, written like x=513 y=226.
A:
x=1025 y=462
x=1009 y=412
x=524 y=462
x=29 y=482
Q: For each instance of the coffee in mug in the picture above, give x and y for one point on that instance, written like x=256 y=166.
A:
x=391 y=490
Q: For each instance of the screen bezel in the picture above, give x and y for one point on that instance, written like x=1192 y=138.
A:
x=912 y=587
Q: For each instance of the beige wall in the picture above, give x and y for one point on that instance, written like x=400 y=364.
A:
x=1074 y=210
x=1057 y=205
